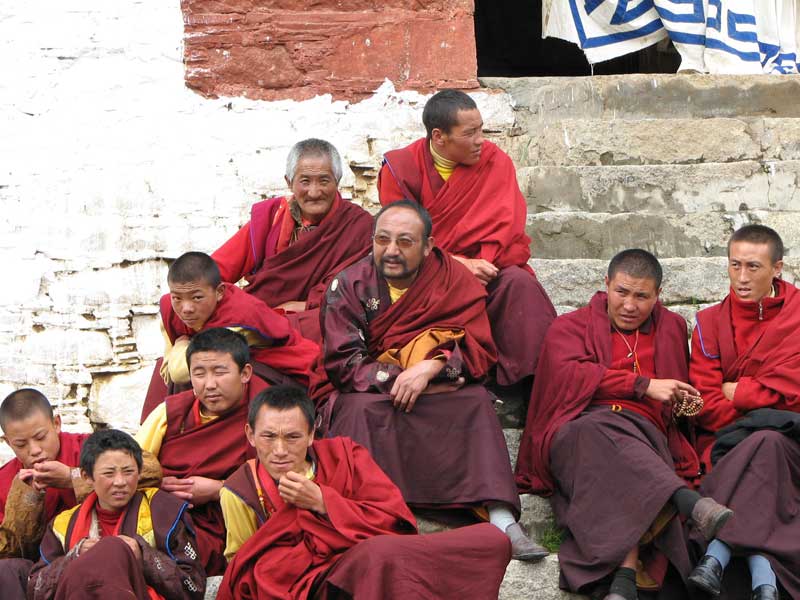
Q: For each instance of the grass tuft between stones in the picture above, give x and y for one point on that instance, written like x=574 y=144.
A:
x=552 y=536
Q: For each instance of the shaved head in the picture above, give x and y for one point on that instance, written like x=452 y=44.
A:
x=192 y=267
x=21 y=404
x=637 y=263
x=759 y=234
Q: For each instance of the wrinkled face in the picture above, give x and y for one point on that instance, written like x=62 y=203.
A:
x=194 y=302
x=217 y=382
x=399 y=245
x=114 y=478
x=463 y=142
x=34 y=439
x=751 y=270
x=630 y=300
x=281 y=439
x=314 y=187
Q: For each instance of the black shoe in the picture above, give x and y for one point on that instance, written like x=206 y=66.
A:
x=765 y=592
x=707 y=576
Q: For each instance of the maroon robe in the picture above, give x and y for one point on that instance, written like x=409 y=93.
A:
x=360 y=323
x=214 y=450
x=364 y=548
x=479 y=212
x=302 y=270
x=606 y=461
x=285 y=355
x=755 y=345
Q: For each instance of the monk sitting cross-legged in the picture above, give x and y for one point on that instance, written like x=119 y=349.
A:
x=407 y=343
x=319 y=519
x=602 y=442
x=198 y=435
x=469 y=187
x=199 y=300
x=41 y=481
x=120 y=542
x=293 y=246
x=746 y=364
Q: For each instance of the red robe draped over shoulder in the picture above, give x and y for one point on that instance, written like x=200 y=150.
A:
x=301 y=271
x=285 y=349
x=575 y=358
x=757 y=345
x=285 y=556
x=55 y=499
x=479 y=212
x=214 y=450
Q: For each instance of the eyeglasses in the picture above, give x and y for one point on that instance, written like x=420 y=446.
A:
x=403 y=243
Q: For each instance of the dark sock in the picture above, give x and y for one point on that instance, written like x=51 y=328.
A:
x=684 y=500
x=624 y=583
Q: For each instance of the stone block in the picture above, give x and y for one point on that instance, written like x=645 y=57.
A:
x=648 y=96
x=512 y=443
x=537 y=580
x=662 y=189
x=147 y=332
x=212 y=587
x=644 y=142
x=64 y=347
x=587 y=235
x=116 y=399
x=537 y=516
x=686 y=281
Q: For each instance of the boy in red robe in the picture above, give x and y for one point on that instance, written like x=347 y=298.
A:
x=199 y=300
x=120 y=542
x=293 y=246
x=602 y=442
x=198 y=435
x=469 y=187
x=407 y=346
x=746 y=364
x=319 y=519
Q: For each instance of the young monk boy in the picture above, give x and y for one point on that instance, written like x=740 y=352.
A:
x=120 y=542
x=199 y=300
x=198 y=435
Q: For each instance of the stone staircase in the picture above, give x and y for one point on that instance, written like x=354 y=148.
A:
x=670 y=163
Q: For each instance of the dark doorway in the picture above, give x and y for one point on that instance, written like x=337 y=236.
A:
x=508 y=36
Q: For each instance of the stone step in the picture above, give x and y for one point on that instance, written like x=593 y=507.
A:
x=647 y=96
x=663 y=189
x=537 y=581
x=657 y=141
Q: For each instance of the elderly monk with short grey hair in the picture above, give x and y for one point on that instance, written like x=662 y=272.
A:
x=293 y=245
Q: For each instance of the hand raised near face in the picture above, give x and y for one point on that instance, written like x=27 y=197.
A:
x=297 y=489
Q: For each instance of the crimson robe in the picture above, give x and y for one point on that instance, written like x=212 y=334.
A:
x=286 y=554
x=214 y=450
x=300 y=271
x=604 y=452
x=55 y=499
x=285 y=350
x=755 y=344
x=479 y=212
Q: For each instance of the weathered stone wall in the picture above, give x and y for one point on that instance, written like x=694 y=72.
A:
x=109 y=165
x=272 y=49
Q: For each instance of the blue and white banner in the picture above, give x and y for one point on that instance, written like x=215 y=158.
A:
x=712 y=36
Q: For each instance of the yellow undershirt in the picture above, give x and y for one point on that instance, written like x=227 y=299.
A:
x=443 y=166
x=240 y=520
x=152 y=432
x=395 y=293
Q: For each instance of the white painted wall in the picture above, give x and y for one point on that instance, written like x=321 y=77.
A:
x=109 y=164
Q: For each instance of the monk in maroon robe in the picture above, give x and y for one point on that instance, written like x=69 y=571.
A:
x=293 y=246
x=469 y=186
x=119 y=542
x=332 y=525
x=199 y=300
x=746 y=357
x=601 y=440
x=407 y=344
x=198 y=435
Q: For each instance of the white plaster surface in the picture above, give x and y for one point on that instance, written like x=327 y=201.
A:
x=109 y=165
